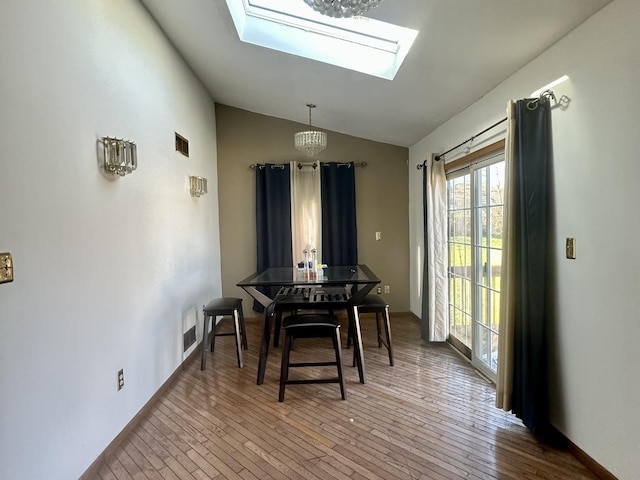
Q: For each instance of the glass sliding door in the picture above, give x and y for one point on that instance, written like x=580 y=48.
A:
x=475 y=205
x=459 y=246
x=488 y=191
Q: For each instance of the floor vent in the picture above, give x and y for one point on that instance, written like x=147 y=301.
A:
x=189 y=337
x=182 y=145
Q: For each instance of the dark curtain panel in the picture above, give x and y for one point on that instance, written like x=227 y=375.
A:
x=424 y=324
x=531 y=162
x=273 y=219
x=339 y=234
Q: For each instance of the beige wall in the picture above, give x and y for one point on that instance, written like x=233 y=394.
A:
x=382 y=197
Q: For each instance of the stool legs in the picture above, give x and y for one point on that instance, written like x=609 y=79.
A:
x=338 y=350
x=311 y=329
x=276 y=328
x=284 y=366
x=239 y=332
x=239 y=337
x=203 y=355
x=243 y=330
x=382 y=316
x=213 y=334
x=387 y=330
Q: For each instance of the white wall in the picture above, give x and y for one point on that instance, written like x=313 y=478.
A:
x=596 y=169
x=105 y=268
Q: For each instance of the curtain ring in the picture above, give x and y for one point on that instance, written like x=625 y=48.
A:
x=549 y=95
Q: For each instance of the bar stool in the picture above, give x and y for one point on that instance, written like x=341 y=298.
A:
x=224 y=306
x=375 y=304
x=310 y=325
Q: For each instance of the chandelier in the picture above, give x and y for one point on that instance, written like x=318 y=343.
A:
x=310 y=142
x=342 y=8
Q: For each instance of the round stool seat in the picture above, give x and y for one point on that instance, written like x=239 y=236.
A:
x=310 y=320
x=374 y=302
x=223 y=306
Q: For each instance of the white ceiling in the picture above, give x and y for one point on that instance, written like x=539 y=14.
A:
x=464 y=49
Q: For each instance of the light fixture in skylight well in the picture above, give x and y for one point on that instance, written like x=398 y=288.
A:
x=361 y=44
x=342 y=8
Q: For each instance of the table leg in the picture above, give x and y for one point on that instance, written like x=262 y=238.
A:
x=264 y=344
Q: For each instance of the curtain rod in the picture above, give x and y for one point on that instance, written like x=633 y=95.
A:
x=470 y=139
x=437 y=158
x=300 y=165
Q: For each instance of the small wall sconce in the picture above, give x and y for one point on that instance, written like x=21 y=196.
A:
x=120 y=156
x=198 y=186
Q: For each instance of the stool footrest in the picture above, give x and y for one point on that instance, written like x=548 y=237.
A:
x=313 y=380
x=313 y=364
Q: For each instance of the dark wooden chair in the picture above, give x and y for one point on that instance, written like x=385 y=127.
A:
x=376 y=304
x=225 y=306
x=311 y=325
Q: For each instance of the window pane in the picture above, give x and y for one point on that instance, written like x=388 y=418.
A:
x=467 y=191
x=484 y=346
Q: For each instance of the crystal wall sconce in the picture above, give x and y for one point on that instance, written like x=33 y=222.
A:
x=198 y=186
x=120 y=156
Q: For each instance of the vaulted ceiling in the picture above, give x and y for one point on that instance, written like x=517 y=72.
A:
x=464 y=49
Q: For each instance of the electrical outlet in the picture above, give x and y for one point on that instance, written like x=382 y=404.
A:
x=120 y=379
x=378 y=236
x=387 y=289
x=379 y=290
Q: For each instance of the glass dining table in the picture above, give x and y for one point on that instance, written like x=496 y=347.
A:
x=331 y=288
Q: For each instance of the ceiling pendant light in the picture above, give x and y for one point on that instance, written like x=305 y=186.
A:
x=310 y=142
x=342 y=8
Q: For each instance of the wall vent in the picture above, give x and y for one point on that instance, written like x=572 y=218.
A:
x=189 y=338
x=182 y=145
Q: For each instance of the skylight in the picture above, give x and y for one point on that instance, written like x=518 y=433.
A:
x=361 y=44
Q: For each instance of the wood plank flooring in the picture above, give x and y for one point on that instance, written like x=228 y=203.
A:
x=428 y=417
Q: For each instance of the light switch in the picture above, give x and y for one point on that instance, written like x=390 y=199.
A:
x=378 y=236
x=6 y=268
x=571 y=248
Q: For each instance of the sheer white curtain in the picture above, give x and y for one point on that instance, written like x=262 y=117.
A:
x=306 y=216
x=436 y=251
x=504 y=380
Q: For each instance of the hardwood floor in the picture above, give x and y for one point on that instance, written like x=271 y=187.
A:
x=428 y=417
